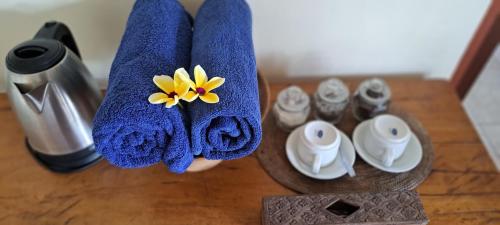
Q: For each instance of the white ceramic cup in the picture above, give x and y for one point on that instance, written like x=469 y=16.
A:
x=318 y=144
x=387 y=138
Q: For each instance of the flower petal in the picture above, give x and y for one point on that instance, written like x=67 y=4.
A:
x=190 y=96
x=200 y=76
x=213 y=83
x=210 y=98
x=164 y=82
x=158 y=98
x=181 y=75
x=172 y=101
x=181 y=89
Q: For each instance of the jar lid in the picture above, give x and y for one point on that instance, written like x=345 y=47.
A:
x=333 y=91
x=293 y=99
x=374 y=91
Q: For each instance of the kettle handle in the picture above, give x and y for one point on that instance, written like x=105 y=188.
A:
x=58 y=31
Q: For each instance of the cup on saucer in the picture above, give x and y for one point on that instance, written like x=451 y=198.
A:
x=318 y=144
x=386 y=138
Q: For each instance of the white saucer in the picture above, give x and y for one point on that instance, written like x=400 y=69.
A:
x=409 y=160
x=332 y=170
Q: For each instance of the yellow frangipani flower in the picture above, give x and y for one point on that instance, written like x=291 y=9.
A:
x=173 y=89
x=201 y=87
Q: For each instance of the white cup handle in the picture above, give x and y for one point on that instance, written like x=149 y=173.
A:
x=316 y=166
x=388 y=158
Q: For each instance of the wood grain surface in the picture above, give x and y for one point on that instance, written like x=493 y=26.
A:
x=463 y=188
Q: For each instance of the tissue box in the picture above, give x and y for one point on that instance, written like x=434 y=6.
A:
x=402 y=207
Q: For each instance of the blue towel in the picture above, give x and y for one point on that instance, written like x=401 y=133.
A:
x=129 y=131
x=222 y=45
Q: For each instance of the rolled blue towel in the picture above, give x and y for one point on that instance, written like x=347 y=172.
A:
x=129 y=131
x=222 y=46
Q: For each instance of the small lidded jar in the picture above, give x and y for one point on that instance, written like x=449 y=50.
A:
x=292 y=108
x=372 y=98
x=330 y=100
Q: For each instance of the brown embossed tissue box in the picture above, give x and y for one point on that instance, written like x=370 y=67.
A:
x=401 y=207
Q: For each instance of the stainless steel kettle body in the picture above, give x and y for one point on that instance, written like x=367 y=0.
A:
x=55 y=98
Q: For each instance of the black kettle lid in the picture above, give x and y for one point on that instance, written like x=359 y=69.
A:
x=34 y=56
x=43 y=52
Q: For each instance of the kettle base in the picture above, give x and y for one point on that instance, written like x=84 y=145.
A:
x=66 y=163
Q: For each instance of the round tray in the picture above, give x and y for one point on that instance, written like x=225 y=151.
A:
x=272 y=156
x=202 y=164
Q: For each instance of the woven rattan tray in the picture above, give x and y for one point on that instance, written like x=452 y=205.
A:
x=272 y=157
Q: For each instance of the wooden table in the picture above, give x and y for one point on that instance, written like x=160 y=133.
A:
x=464 y=187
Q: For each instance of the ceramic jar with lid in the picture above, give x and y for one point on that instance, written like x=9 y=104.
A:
x=330 y=100
x=292 y=108
x=372 y=98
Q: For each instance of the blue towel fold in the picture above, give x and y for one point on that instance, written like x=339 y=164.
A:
x=222 y=45
x=129 y=131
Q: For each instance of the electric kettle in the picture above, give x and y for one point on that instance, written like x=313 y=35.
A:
x=55 y=98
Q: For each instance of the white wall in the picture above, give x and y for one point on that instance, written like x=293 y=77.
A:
x=364 y=36
x=292 y=37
